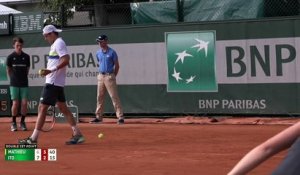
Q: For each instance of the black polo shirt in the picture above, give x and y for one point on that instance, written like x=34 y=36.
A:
x=19 y=65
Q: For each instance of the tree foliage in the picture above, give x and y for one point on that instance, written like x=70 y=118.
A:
x=60 y=10
x=69 y=4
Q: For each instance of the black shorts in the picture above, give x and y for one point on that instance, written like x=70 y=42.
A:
x=51 y=94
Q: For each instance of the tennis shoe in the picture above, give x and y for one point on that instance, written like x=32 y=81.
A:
x=27 y=141
x=23 y=126
x=121 y=121
x=96 y=121
x=75 y=140
x=13 y=126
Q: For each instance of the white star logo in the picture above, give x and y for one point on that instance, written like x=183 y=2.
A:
x=201 y=45
x=176 y=75
x=182 y=55
x=191 y=79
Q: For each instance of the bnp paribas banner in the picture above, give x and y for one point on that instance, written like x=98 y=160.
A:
x=188 y=71
x=191 y=61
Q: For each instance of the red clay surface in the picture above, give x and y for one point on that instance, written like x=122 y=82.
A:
x=181 y=146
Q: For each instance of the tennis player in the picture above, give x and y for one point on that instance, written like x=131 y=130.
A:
x=53 y=92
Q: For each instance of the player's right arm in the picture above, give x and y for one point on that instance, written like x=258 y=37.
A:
x=64 y=61
x=262 y=152
x=64 y=57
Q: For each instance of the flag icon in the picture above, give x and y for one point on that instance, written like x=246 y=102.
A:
x=191 y=61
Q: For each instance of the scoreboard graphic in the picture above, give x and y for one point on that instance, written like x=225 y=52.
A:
x=18 y=152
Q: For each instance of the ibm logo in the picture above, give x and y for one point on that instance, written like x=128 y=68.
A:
x=28 y=23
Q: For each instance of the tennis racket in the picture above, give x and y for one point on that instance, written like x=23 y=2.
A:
x=50 y=119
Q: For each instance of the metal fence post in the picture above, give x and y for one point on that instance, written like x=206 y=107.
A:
x=179 y=4
x=62 y=15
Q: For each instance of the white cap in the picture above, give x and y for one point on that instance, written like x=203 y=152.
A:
x=50 y=28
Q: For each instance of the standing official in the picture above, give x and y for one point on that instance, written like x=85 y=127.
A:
x=18 y=64
x=108 y=70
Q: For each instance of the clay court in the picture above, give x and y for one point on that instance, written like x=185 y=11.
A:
x=149 y=146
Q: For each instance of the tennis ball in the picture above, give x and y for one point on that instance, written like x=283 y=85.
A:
x=41 y=71
x=100 y=135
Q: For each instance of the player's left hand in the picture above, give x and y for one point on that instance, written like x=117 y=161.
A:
x=44 y=72
x=47 y=71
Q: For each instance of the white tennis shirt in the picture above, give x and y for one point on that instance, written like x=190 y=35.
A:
x=58 y=50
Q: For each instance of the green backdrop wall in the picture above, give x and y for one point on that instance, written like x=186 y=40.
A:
x=257 y=68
